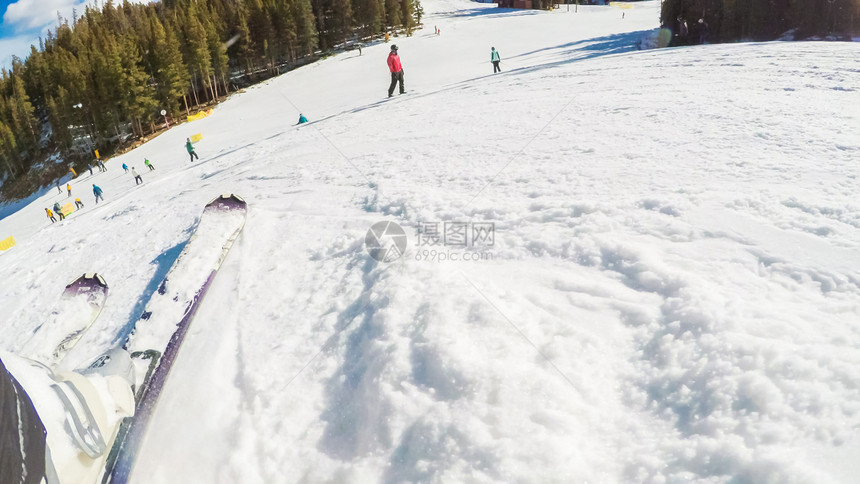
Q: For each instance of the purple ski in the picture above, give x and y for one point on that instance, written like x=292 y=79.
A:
x=77 y=309
x=158 y=334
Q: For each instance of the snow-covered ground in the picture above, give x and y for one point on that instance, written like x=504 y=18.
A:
x=672 y=294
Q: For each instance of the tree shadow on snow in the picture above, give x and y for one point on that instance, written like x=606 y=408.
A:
x=233 y=150
x=486 y=12
x=357 y=414
x=163 y=263
x=591 y=48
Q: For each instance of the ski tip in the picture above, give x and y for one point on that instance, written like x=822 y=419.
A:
x=227 y=201
x=88 y=279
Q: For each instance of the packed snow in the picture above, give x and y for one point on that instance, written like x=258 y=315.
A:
x=671 y=293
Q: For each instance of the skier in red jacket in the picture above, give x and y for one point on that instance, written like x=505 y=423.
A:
x=396 y=71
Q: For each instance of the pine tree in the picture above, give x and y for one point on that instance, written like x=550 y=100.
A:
x=307 y=34
x=170 y=74
x=59 y=125
x=246 y=42
x=284 y=26
x=218 y=54
x=106 y=74
x=138 y=97
x=407 y=8
x=393 y=14
x=343 y=21
x=199 y=65
x=369 y=16
x=36 y=75
x=9 y=151
x=261 y=31
x=22 y=111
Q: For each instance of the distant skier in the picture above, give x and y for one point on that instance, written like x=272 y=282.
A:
x=682 y=32
x=137 y=179
x=79 y=204
x=359 y=48
x=90 y=166
x=59 y=210
x=190 y=148
x=59 y=190
x=302 y=119
x=97 y=191
x=50 y=215
x=495 y=59
x=702 y=30
x=125 y=167
x=396 y=71
x=69 y=188
x=148 y=164
x=102 y=166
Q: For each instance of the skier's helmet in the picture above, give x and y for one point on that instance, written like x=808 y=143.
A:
x=394 y=47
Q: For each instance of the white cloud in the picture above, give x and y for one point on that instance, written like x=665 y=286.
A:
x=18 y=45
x=35 y=14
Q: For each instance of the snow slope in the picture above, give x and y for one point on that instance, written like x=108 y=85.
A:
x=672 y=294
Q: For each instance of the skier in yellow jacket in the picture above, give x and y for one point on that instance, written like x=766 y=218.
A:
x=50 y=215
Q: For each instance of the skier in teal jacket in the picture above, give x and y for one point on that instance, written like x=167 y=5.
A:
x=190 y=148
x=97 y=191
x=495 y=59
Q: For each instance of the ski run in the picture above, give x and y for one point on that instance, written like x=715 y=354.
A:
x=658 y=280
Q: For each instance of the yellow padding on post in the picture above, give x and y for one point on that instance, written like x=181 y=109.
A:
x=196 y=137
x=7 y=243
x=67 y=209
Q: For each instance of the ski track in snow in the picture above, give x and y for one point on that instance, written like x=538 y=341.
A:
x=673 y=294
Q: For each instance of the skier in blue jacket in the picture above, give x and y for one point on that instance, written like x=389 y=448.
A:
x=97 y=191
x=59 y=211
x=495 y=59
x=302 y=119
